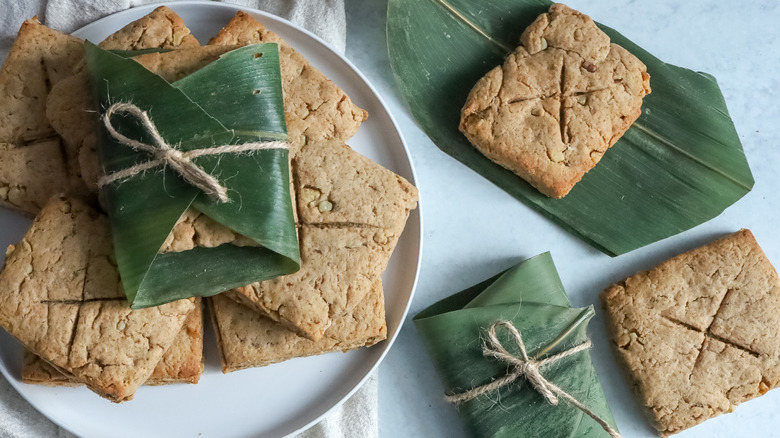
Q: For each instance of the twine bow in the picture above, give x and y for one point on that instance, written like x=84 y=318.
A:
x=165 y=155
x=524 y=366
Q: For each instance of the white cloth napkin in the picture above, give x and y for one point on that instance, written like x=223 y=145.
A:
x=357 y=417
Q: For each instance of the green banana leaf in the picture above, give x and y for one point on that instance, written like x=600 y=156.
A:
x=678 y=166
x=532 y=298
x=216 y=105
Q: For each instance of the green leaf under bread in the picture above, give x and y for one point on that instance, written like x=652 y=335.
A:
x=531 y=297
x=216 y=105
x=680 y=164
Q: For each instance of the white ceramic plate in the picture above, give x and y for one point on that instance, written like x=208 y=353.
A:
x=262 y=402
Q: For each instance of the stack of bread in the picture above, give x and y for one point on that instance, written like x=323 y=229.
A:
x=60 y=291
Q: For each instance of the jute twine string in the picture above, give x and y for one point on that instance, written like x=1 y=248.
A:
x=165 y=155
x=524 y=366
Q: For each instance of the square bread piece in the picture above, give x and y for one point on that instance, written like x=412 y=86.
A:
x=39 y=59
x=700 y=333
x=61 y=296
x=160 y=29
x=352 y=212
x=336 y=185
x=339 y=267
x=315 y=108
x=181 y=363
x=247 y=339
x=557 y=103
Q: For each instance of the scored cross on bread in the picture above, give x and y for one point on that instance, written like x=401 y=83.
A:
x=181 y=363
x=700 y=333
x=60 y=295
x=558 y=102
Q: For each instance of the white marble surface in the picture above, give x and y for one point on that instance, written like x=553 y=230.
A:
x=473 y=229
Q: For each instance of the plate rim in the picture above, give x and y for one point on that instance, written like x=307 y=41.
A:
x=418 y=214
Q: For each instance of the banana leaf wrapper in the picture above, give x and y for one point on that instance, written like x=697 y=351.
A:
x=530 y=296
x=235 y=99
x=679 y=165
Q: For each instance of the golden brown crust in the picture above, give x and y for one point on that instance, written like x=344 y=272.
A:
x=61 y=296
x=338 y=268
x=352 y=212
x=162 y=29
x=30 y=174
x=336 y=185
x=700 y=333
x=181 y=363
x=39 y=59
x=557 y=103
x=247 y=339
x=315 y=108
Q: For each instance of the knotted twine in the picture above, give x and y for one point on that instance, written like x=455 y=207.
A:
x=165 y=155
x=529 y=368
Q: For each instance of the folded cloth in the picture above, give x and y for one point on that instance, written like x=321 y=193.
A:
x=357 y=417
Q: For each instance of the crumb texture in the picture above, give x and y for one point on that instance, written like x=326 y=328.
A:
x=61 y=296
x=558 y=102
x=39 y=59
x=315 y=108
x=181 y=363
x=248 y=339
x=30 y=174
x=195 y=229
x=700 y=333
x=162 y=29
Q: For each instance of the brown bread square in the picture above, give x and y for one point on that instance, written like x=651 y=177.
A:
x=352 y=212
x=336 y=185
x=160 y=29
x=181 y=363
x=558 y=102
x=700 y=333
x=339 y=267
x=61 y=296
x=247 y=339
x=39 y=59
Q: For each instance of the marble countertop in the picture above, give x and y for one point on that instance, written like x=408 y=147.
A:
x=472 y=229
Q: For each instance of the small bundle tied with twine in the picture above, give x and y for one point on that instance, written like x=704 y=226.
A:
x=166 y=155
x=524 y=366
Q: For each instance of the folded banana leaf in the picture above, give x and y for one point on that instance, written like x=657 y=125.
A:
x=678 y=166
x=235 y=99
x=530 y=296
